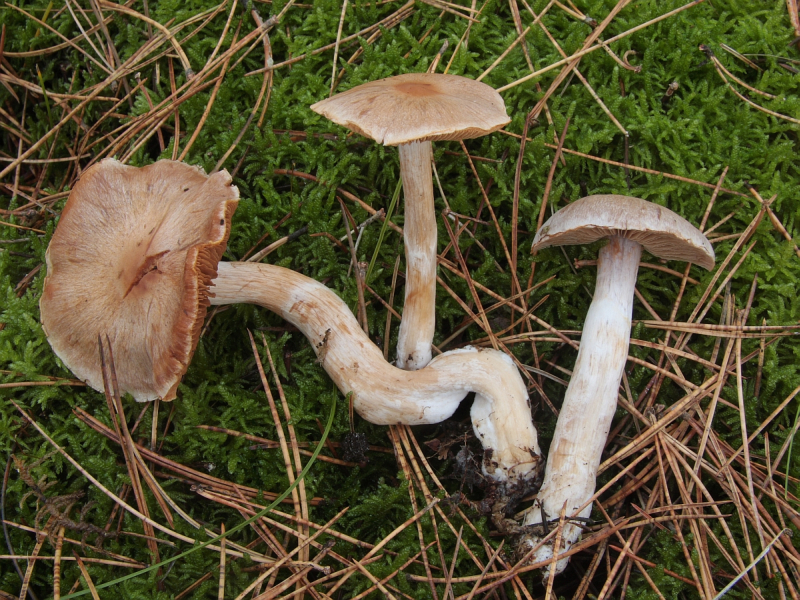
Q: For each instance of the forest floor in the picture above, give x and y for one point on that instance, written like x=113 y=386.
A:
x=693 y=106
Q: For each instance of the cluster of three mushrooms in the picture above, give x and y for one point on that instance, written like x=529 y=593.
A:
x=143 y=245
x=135 y=257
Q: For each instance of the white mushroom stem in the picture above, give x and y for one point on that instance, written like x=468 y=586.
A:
x=384 y=394
x=419 y=309
x=591 y=399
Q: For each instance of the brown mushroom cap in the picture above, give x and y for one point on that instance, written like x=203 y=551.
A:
x=132 y=258
x=417 y=107
x=658 y=229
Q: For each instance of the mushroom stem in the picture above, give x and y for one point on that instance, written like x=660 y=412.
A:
x=384 y=394
x=419 y=310
x=591 y=398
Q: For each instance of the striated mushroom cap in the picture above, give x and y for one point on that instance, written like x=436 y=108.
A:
x=659 y=230
x=417 y=107
x=132 y=258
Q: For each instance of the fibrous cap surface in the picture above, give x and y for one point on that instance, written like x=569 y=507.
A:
x=132 y=257
x=417 y=107
x=659 y=230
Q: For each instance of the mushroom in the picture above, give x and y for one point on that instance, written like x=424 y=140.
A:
x=410 y=111
x=591 y=398
x=133 y=257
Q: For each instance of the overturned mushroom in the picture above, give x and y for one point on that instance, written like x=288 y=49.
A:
x=133 y=257
x=410 y=111
x=591 y=397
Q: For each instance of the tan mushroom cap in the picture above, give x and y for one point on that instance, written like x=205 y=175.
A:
x=659 y=230
x=132 y=258
x=417 y=107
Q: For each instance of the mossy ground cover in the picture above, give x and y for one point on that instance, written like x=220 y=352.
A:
x=259 y=127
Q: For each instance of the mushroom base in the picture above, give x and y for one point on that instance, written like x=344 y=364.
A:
x=384 y=394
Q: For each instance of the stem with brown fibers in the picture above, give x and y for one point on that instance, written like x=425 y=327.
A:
x=591 y=398
x=384 y=394
x=419 y=231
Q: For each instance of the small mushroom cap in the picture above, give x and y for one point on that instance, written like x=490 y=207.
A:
x=658 y=229
x=132 y=258
x=417 y=107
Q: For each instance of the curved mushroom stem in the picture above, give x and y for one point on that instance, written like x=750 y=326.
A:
x=384 y=394
x=419 y=310
x=591 y=400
